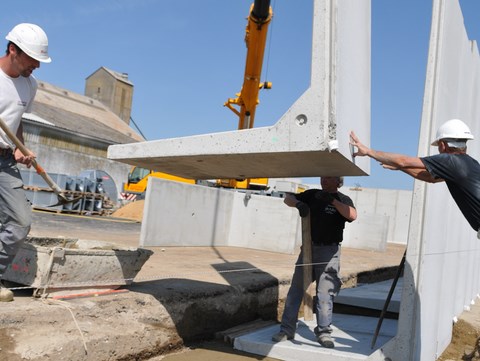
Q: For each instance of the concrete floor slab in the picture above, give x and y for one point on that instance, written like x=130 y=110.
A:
x=352 y=336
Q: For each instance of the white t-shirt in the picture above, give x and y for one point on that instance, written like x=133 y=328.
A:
x=16 y=98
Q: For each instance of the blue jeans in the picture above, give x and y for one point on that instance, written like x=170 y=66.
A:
x=326 y=260
x=15 y=212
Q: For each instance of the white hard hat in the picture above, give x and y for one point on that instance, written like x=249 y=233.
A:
x=32 y=40
x=452 y=130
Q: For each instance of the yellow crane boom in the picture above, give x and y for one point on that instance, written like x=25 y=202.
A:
x=247 y=99
x=255 y=39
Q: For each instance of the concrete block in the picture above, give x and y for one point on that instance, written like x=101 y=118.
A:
x=58 y=264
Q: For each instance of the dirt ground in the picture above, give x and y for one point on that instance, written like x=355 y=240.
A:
x=465 y=339
x=74 y=319
x=465 y=343
x=464 y=346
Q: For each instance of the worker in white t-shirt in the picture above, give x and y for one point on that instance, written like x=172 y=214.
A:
x=27 y=47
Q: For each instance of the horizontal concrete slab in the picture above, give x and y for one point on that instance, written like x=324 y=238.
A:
x=238 y=165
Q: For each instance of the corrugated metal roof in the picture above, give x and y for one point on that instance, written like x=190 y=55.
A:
x=119 y=76
x=36 y=118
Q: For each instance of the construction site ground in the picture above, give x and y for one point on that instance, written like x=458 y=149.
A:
x=181 y=298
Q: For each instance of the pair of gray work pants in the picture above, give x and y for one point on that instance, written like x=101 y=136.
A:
x=326 y=268
x=15 y=212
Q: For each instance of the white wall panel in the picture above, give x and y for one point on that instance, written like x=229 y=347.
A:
x=443 y=252
x=393 y=206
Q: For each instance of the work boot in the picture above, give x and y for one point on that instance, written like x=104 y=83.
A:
x=325 y=340
x=5 y=294
x=281 y=336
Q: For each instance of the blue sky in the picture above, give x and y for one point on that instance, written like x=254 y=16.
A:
x=185 y=58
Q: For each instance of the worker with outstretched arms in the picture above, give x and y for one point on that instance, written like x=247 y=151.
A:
x=452 y=165
x=329 y=210
x=27 y=46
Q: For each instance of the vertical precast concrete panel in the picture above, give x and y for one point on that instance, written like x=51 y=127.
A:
x=351 y=109
x=441 y=275
x=338 y=99
x=312 y=138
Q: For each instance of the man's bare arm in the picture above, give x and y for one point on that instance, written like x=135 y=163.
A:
x=290 y=200
x=397 y=161
x=345 y=210
x=421 y=174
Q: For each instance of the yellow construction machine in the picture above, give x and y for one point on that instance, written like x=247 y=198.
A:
x=137 y=182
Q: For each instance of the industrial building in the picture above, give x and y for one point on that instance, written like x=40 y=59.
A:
x=70 y=132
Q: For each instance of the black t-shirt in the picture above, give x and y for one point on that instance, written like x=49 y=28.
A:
x=462 y=175
x=326 y=222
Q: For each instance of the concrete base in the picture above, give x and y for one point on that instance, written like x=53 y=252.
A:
x=74 y=266
x=352 y=336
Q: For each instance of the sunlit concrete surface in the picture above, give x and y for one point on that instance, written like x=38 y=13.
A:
x=311 y=138
x=352 y=336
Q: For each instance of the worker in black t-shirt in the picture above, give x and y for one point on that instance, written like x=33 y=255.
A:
x=453 y=166
x=329 y=210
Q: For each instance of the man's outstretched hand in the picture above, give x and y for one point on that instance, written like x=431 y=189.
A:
x=362 y=150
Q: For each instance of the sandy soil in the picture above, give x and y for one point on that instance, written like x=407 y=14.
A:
x=465 y=338
x=132 y=210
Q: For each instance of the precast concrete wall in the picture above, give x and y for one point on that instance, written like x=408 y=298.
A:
x=261 y=222
x=442 y=273
x=180 y=214
x=383 y=216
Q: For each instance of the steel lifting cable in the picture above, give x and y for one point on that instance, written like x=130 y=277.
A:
x=270 y=35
